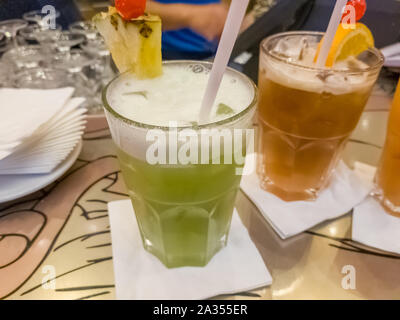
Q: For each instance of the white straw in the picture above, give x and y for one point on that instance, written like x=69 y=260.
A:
x=233 y=22
x=330 y=32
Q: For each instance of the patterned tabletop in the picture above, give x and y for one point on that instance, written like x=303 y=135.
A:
x=56 y=244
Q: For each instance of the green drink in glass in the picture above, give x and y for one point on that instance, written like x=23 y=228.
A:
x=183 y=196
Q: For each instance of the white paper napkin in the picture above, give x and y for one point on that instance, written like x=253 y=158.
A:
x=23 y=111
x=374 y=227
x=49 y=144
x=345 y=191
x=140 y=275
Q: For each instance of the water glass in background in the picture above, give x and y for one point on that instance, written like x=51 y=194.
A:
x=67 y=40
x=77 y=64
x=47 y=38
x=52 y=57
x=24 y=57
x=102 y=68
x=101 y=71
x=29 y=34
x=42 y=78
x=85 y=28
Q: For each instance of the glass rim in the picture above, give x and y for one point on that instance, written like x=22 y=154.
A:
x=25 y=47
x=10 y=21
x=374 y=50
x=81 y=23
x=32 y=71
x=235 y=117
x=27 y=15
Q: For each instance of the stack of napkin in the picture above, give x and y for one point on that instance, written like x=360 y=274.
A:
x=38 y=129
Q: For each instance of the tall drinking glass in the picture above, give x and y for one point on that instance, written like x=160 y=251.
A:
x=388 y=175
x=183 y=210
x=306 y=114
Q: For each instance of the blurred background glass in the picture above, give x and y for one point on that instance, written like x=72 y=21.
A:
x=41 y=78
x=36 y=53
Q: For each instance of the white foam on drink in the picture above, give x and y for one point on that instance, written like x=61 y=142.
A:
x=176 y=95
x=301 y=51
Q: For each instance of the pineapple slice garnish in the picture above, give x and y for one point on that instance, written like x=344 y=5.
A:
x=135 y=45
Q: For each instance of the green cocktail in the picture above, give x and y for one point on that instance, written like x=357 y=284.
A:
x=183 y=210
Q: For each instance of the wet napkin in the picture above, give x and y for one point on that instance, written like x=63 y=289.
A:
x=345 y=191
x=140 y=275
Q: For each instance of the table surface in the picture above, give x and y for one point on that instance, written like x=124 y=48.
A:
x=63 y=233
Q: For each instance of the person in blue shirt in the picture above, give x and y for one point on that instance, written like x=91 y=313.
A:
x=191 y=27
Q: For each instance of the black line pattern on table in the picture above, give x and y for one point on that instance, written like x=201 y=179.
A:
x=99 y=158
x=366 y=143
x=82 y=160
x=241 y=294
x=96 y=200
x=90 y=263
x=114 y=180
x=86 y=288
x=89 y=215
x=83 y=237
x=353 y=246
x=29 y=242
x=94 y=295
x=113 y=176
x=99 y=246
x=98 y=260
x=108 y=136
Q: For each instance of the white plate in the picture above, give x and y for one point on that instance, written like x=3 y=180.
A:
x=16 y=186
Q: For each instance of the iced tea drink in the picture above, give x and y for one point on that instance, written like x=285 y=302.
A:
x=388 y=175
x=307 y=114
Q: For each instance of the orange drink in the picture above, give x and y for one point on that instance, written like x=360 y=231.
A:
x=388 y=175
x=306 y=114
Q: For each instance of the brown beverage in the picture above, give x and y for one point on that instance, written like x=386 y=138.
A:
x=306 y=114
x=388 y=176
